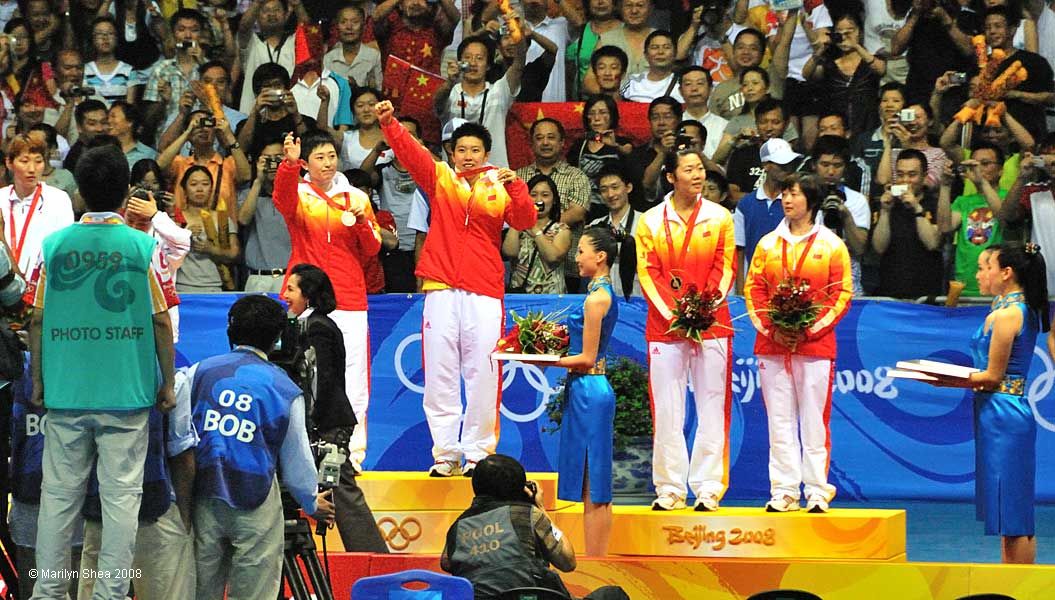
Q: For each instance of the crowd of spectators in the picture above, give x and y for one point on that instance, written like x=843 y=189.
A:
x=871 y=96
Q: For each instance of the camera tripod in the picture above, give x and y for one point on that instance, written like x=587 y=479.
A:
x=300 y=550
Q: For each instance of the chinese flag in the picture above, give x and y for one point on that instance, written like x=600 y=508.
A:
x=419 y=90
x=394 y=79
x=633 y=123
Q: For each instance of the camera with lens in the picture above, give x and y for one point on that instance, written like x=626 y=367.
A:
x=463 y=66
x=79 y=91
x=831 y=208
x=962 y=169
x=503 y=30
x=836 y=38
x=683 y=140
x=540 y=205
x=713 y=10
x=958 y=78
x=186 y=45
x=272 y=162
x=207 y=122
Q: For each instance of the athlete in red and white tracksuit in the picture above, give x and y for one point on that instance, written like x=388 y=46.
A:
x=667 y=265
x=318 y=237
x=463 y=277
x=797 y=382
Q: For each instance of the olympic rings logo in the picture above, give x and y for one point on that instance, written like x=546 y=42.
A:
x=534 y=376
x=1041 y=387
x=399 y=535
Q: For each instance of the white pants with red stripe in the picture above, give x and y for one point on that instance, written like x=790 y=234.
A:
x=798 y=405
x=356 y=334
x=459 y=330
x=670 y=365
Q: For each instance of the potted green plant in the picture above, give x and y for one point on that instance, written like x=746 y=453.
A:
x=632 y=440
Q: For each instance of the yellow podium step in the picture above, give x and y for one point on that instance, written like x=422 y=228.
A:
x=843 y=534
x=415 y=491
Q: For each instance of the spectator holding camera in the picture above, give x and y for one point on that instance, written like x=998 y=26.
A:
x=274 y=112
x=973 y=216
x=844 y=210
x=906 y=233
x=310 y=296
x=540 y=251
x=600 y=147
x=267 y=241
x=271 y=42
x=908 y=130
x=238 y=508
x=468 y=95
x=203 y=131
x=573 y=186
x=934 y=41
x=846 y=73
x=1031 y=199
x=646 y=160
x=171 y=77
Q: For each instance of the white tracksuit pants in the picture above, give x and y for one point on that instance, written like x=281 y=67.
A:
x=459 y=331
x=798 y=405
x=356 y=334
x=670 y=365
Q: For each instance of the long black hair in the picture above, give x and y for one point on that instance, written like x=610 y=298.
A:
x=1027 y=263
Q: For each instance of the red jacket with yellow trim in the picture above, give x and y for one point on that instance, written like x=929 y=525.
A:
x=708 y=263
x=318 y=237
x=465 y=228
x=827 y=268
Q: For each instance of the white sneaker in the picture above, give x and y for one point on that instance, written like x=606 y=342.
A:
x=782 y=504
x=816 y=504
x=445 y=468
x=467 y=470
x=706 y=503
x=668 y=501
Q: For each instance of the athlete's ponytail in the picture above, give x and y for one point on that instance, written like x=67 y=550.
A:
x=1030 y=270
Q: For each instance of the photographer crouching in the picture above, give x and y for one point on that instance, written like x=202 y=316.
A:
x=250 y=416
x=505 y=540
x=311 y=298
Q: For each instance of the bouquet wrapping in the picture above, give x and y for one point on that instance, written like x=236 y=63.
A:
x=695 y=312
x=535 y=333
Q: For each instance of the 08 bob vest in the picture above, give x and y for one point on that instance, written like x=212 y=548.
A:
x=493 y=545
x=241 y=405
x=27 y=441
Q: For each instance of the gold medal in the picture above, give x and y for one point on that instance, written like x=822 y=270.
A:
x=348 y=218
x=675 y=282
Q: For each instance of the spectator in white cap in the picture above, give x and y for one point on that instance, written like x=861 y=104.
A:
x=760 y=211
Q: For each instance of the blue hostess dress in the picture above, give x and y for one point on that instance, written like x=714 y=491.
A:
x=586 y=429
x=1006 y=433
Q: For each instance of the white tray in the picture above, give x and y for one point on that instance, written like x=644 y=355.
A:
x=933 y=367
x=906 y=374
x=528 y=357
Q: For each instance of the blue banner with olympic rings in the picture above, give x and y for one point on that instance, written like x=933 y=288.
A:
x=891 y=439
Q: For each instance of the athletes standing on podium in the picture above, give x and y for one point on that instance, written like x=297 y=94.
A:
x=462 y=275
x=796 y=368
x=687 y=241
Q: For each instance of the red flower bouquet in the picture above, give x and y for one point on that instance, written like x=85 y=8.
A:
x=535 y=333
x=694 y=313
x=793 y=305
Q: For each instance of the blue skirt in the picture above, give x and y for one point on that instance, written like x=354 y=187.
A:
x=586 y=433
x=1006 y=463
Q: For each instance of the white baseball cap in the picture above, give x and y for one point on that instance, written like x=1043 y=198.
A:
x=778 y=151
x=450 y=127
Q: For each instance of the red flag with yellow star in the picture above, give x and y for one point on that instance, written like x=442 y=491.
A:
x=633 y=123
x=418 y=93
x=394 y=79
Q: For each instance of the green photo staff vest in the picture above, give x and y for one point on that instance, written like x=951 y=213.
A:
x=97 y=338
x=496 y=550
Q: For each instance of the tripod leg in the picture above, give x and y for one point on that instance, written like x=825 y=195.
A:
x=292 y=575
x=319 y=583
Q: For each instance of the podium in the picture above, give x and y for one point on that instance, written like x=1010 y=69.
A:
x=414 y=511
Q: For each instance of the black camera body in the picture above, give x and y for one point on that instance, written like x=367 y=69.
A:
x=713 y=11
x=79 y=91
x=831 y=208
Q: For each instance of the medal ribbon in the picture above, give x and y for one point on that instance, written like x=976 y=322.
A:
x=17 y=247
x=688 y=237
x=802 y=257
x=329 y=201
